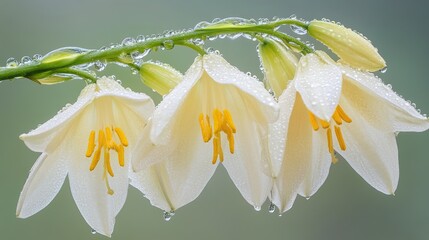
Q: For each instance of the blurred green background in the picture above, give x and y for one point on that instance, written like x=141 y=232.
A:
x=344 y=208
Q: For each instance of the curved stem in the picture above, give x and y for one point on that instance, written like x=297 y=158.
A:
x=82 y=74
x=198 y=49
x=180 y=38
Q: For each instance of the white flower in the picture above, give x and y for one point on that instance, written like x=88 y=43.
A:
x=216 y=114
x=329 y=107
x=89 y=141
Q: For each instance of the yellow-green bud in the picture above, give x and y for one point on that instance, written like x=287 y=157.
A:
x=160 y=77
x=63 y=55
x=279 y=64
x=351 y=47
x=47 y=78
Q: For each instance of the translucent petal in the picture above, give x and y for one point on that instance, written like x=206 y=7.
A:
x=371 y=96
x=319 y=84
x=371 y=151
x=44 y=182
x=298 y=158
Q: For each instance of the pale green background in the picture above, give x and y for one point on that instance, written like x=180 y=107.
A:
x=346 y=207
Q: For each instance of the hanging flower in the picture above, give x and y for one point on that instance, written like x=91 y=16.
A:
x=217 y=114
x=89 y=141
x=331 y=108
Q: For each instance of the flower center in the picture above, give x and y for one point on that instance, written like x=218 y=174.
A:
x=222 y=122
x=106 y=143
x=339 y=116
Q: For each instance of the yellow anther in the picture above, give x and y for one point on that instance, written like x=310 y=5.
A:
x=313 y=121
x=95 y=159
x=216 y=147
x=217 y=120
x=228 y=119
x=343 y=115
x=206 y=129
x=121 y=155
x=107 y=165
x=330 y=143
x=122 y=137
x=109 y=138
x=106 y=142
x=91 y=144
x=340 y=138
x=325 y=124
x=337 y=118
x=230 y=136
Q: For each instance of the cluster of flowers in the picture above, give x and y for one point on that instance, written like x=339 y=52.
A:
x=274 y=147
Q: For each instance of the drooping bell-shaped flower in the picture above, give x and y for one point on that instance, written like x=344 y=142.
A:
x=217 y=114
x=89 y=141
x=332 y=108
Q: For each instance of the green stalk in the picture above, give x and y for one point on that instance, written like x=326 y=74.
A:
x=180 y=38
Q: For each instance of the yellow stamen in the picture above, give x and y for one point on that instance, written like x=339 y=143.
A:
x=122 y=137
x=222 y=122
x=337 y=118
x=206 y=130
x=343 y=115
x=95 y=160
x=325 y=124
x=217 y=120
x=313 y=121
x=229 y=121
x=340 y=138
x=91 y=144
x=121 y=155
x=109 y=138
x=106 y=142
x=330 y=143
x=107 y=162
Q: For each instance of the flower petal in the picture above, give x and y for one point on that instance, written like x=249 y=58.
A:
x=371 y=151
x=181 y=171
x=400 y=113
x=249 y=166
x=169 y=106
x=300 y=159
x=44 y=182
x=89 y=188
x=319 y=84
x=224 y=73
x=50 y=133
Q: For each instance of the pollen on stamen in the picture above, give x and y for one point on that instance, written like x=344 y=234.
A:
x=91 y=144
x=337 y=118
x=107 y=165
x=313 y=121
x=340 y=138
x=229 y=121
x=343 y=115
x=330 y=143
x=122 y=138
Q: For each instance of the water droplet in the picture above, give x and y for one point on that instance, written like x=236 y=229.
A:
x=100 y=66
x=128 y=41
x=198 y=41
x=384 y=70
x=37 y=57
x=293 y=16
x=202 y=24
x=389 y=86
x=26 y=60
x=11 y=63
x=257 y=208
x=271 y=208
x=93 y=231
x=139 y=55
x=168 y=215
x=298 y=30
x=140 y=38
x=210 y=50
x=168 y=44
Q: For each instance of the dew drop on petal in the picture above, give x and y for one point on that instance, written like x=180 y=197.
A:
x=384 y=70
x=271 y=208
x=257 y=208
x=168 y=215
x=93 y=231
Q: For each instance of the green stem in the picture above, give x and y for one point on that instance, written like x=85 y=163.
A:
x=180 y=38
x=198 y=49
x=82 y=74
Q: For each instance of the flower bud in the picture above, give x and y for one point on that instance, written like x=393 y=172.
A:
x=351 y=47
x=63 y=55
x=47 y=78
x=160 y=77
x=279 y=64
